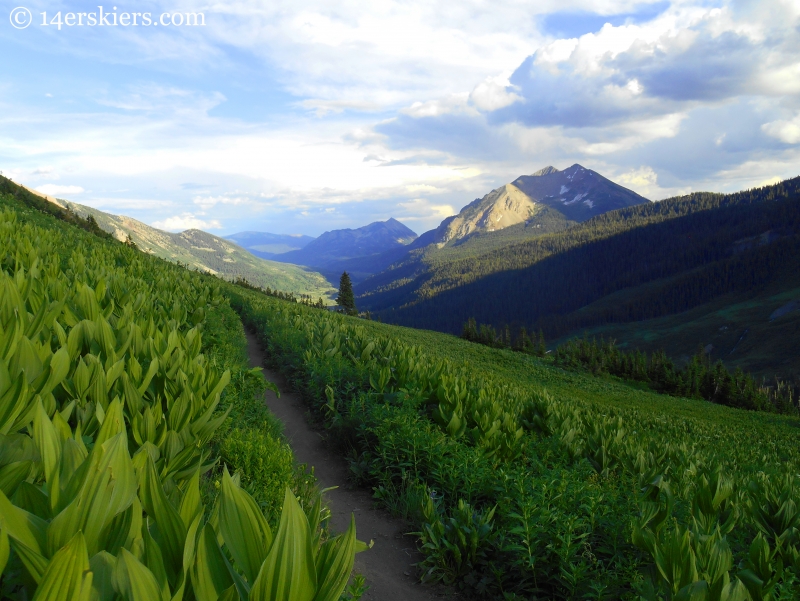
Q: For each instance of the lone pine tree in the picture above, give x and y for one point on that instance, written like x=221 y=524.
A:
x=346 y=300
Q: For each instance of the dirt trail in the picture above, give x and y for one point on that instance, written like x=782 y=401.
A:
x=388 y=566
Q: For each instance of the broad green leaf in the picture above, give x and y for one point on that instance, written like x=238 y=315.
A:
x=188 y=558
x=108 y=488
x=190 y=504
x=288 y=574
x=102 y=566
x=35 y=563
x=49 y=445
x=123 y=528
x=115 y=372
x=113 y=422
x=230 y=594
x=59 y=368
x=132 y=580
x=22 y=525
x=210 y=576
x=33 y=500
x=155 y=563
x=12 y=475
x=334 y=564
x=67 y=577
x=12 y=401
x=243 y=527
x=170 y=525
x=224 y=380
x=152 y=370
x=73 y=454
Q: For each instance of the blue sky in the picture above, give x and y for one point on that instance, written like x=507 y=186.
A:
x=300 y=117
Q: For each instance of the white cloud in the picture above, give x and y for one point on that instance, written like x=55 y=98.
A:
x=170 y=100
x=493 y=93
x=209 y=202
x=422 y=209
x=785 y=131
x=454 y=103
x=322 y=107
x=56 y=190
x=186 y=221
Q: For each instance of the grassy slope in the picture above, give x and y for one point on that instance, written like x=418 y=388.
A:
x=207 y=252
x=532 y=372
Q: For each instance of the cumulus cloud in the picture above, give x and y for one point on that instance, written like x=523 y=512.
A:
x=787 y=131
x=424 y=210
x=186 y=221
x=494 y=93
x=692 y=92
x=643 y=180
x=56 y=190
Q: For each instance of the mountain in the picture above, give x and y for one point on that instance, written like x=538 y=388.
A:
x=699 y=270
x=267 y=246
x=576 y=193
x=195 y=248
x=211 y=253
x=351 y=249
x=545 y=202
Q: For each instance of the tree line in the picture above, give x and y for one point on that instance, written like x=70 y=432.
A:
x=530 y=344
x=700 y=378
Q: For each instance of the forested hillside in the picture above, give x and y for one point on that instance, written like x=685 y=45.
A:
x=656 y=259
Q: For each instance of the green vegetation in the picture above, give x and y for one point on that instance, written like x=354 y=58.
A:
x=699 y=379
x=740 y=329
x=633 y=264
x=199 y=250
x=113 y=408
x=522 y=342
x=529 y=482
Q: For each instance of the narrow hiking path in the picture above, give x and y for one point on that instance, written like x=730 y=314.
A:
x=389 y=565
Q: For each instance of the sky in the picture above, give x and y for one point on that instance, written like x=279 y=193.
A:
x=305 y=116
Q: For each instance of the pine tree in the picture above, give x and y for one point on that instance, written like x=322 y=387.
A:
x=346 y=300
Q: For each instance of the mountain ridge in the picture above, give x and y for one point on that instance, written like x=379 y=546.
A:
x=194 y=248
x=522 y=199
x=350 y=249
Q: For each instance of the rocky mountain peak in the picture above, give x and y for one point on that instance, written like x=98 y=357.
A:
x=545 y=171
x=576 y=193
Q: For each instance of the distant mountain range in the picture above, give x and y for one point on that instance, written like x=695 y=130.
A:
x=268 y=246
x=532 y=205
x=335 y=251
